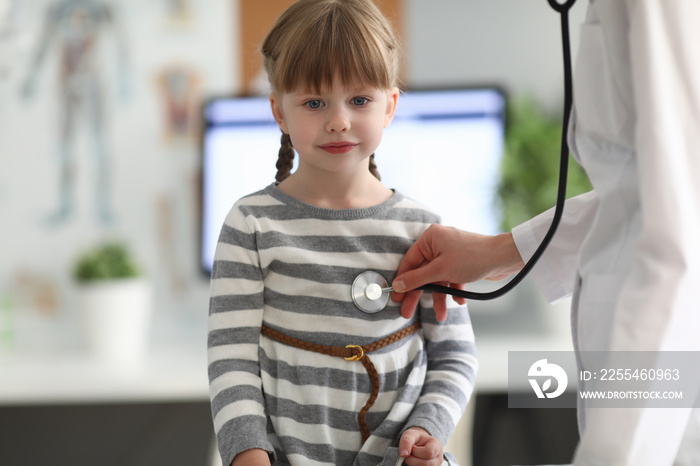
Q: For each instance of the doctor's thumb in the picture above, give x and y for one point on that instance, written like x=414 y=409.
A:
x=404 y=283
x=415 y=278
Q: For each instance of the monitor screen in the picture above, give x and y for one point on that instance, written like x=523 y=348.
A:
x=443 y=149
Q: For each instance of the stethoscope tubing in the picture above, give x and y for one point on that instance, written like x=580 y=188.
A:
x=563 y=10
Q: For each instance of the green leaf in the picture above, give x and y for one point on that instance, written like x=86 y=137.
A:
x=109 y=261
x=530 y=165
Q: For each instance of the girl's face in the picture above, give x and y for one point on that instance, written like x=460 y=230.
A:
x=335 y=130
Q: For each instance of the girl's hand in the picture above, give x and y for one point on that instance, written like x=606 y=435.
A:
x=253 y=457
x=418 y=448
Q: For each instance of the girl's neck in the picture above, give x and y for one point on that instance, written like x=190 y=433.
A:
x=336 y=192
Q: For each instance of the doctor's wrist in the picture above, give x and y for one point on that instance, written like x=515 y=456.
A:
x=506 y=257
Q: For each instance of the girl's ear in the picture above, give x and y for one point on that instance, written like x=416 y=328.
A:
x=277 y=113
x=393 y=98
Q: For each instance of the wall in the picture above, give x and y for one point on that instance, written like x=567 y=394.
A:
x=155 y=61
x=153 y=161
x=515 y=43
x=152 y=187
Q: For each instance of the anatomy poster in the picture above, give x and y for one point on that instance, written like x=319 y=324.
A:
x=99 y=104
x=179 y=89
x=71 y=35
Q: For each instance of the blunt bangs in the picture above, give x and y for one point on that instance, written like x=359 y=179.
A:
x=335 y=44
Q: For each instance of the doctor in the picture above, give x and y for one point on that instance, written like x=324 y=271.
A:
x=628 y=251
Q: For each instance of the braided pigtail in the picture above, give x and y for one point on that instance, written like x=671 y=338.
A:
x=373 y=167
x=285 y=159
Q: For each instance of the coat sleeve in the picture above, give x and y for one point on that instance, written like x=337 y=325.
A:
x=235 y=319
x=658 y=305
x=556 y=270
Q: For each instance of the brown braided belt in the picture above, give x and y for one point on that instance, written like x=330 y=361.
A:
x=350 y=353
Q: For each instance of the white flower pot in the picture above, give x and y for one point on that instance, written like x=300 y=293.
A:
x=117 y=318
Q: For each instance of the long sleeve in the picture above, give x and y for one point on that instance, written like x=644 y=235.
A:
x=450 y=376
x=451 y=371
x=555 y=272
x=235 y=318
x=658 y=305
x=290 y=266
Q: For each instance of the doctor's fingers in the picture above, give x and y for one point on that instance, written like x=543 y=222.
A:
x=409 y=302
x=449 y=254
x=459 y=286
x=412 y=298
x=428 y=271
x=440 y=300
x=440 y=306
x=420 y=253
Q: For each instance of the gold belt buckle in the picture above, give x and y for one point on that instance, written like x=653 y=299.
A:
x=355 y=357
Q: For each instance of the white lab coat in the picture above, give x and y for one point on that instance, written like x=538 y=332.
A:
x=629 y=251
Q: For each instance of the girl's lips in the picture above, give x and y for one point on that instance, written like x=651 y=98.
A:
x=338 y=147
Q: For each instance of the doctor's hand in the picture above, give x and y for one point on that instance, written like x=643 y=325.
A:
x=446 y=255
x=418 y=448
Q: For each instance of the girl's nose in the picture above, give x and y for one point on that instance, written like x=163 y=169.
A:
x=338 y=121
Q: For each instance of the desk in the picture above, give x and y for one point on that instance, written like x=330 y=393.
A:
x=69 y=376
x=170 y=384
x=179 y=373
x=61 y=406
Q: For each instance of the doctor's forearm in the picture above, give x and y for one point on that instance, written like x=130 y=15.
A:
x=507 y=258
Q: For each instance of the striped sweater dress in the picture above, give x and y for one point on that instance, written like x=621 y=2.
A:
x=289 y=265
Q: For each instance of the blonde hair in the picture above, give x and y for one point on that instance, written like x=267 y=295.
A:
x=317 y=41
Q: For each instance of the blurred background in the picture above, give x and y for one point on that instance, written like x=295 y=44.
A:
x=101 y=144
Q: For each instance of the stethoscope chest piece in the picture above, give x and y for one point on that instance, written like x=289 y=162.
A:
x=368 y=292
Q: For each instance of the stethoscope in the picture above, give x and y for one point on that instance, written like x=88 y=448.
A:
x=370 y=290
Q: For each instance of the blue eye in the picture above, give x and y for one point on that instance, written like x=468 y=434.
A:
x=314 y=104
x=360 y=101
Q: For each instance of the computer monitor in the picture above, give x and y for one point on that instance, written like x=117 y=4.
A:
x=443 y=149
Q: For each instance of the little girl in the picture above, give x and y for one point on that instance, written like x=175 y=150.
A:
x=298 y=374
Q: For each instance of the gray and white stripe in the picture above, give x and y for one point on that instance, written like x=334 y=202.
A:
x=290 y=266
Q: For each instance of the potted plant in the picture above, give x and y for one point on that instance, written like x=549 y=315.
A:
x=528 y=186
x=530 y=166
x=115 y=302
